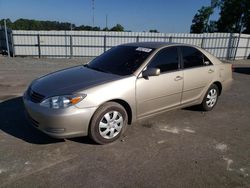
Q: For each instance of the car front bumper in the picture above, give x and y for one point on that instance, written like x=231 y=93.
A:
x=59 y=123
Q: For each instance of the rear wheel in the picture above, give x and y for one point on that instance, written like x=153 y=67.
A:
x=108 y=123
x=211 y=98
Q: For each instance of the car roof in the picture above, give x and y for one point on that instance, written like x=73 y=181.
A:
x=159 y=45
x=155 y=45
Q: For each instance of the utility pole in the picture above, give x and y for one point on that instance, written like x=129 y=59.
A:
x=93 y=11
x=239 y=35
x=106 y=21
x=6 y=38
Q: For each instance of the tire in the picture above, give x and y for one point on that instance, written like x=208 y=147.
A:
x=210 y=99
x=108 y=123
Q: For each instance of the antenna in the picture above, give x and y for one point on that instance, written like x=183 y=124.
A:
x=93 y=11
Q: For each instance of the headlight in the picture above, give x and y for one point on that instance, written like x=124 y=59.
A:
x=63 y=101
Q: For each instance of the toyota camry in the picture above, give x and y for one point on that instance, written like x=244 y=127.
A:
x=127 y=83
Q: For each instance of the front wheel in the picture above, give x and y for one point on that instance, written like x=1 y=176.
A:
x=211 y=98
x=108 y=123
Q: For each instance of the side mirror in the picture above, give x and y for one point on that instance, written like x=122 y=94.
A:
x=151 y=72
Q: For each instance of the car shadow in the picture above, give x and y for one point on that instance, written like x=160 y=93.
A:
x=14 y=123
x=83 y=140
x=195 y=108
x=242 y=70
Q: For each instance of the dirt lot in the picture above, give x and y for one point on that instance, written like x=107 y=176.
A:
x=181 y=148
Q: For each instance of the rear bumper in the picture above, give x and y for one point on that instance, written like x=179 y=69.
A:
x=59 y=123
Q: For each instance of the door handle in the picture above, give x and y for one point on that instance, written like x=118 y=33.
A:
x=210 y=71
x=177 y=78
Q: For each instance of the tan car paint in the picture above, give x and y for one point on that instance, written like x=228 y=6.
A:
x=159 y=92
x=143 y=97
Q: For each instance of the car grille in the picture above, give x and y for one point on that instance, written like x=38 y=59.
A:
x=35 y=97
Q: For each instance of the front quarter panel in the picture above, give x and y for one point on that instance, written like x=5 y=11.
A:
x=123 y=89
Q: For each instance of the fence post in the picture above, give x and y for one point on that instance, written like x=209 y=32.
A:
x=104 y=43
x=6 y=38
x=237 y=46
x=12 y=44
x=247 y=46
x=202 y=42
x=229 y=47
x=66 y=44
x=170 y=39
x=71 y=46
x=38 y=45
x=137 y=38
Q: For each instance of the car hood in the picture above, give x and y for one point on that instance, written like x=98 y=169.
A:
x=70 y=80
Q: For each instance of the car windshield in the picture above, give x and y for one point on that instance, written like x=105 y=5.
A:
x=121 y=60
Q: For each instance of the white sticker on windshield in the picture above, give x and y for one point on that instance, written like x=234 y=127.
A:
x=144 y=49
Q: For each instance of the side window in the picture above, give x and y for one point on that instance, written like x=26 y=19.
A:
x=165 y=60
x=193 y=57
x=207 y=61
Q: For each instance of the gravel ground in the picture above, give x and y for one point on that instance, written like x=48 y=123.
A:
x=180 y=148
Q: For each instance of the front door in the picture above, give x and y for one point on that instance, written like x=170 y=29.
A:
x=157 y=93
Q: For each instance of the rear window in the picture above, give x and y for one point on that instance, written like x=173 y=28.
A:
x=121 y=60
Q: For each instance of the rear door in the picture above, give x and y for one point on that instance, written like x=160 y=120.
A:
x=157 y=93
x=198 y=73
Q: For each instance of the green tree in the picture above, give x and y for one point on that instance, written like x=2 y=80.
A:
x=216 y=3
x=105 y=29
x=212 y=27
x=26 y=24
x=234 y=15
x=8 y=23
x=153 y=31
x=117 y=27
x=200 y=20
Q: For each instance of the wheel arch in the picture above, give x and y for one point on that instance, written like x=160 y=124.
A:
x=126 y=106
x=219 y=85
